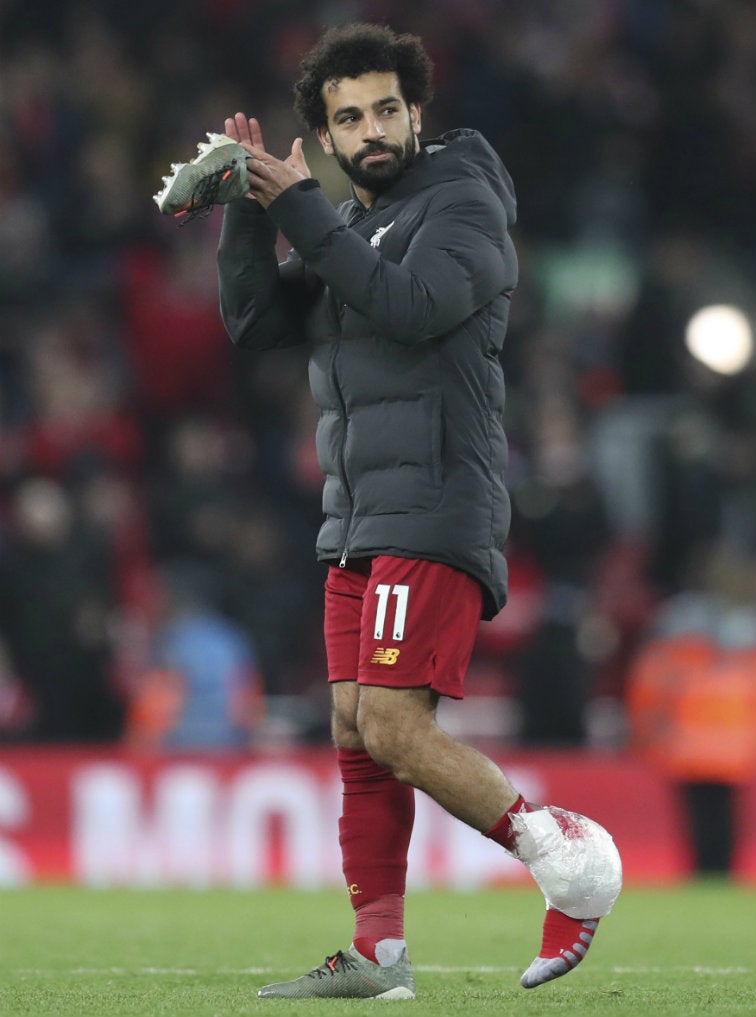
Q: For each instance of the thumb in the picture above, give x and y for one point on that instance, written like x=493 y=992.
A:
x=297 y=160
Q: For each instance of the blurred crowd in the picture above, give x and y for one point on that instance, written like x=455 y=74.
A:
x=159 y=496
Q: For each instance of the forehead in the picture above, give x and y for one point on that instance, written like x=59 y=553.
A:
x=362 y=92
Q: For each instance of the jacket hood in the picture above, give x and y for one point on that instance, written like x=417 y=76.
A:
x=455 y=155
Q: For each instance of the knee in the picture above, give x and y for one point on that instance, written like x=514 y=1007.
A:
x=345 y=735
x=385 y=744
x=344 y=730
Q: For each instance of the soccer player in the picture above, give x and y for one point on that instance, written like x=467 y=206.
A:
x=403 y=294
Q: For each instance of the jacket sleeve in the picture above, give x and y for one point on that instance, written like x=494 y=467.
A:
x=262 y=303
x=460 y=259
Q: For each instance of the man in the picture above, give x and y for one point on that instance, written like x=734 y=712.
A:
x=403 y=293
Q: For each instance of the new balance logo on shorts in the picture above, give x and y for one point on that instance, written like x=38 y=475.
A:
x=385 y=656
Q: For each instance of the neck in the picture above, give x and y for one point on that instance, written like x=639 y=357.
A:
x=363 y=196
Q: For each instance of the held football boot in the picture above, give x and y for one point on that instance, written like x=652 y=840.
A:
x=348 y=975
x=214 y=177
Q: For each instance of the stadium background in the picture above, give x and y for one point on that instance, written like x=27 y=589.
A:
x=158 y=491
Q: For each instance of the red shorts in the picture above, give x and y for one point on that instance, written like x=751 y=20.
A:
x=401 y=623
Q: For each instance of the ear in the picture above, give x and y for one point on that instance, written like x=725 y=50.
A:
x=416 y=117
x=324 y=137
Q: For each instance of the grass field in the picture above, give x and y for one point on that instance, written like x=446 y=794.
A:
x=67 y=952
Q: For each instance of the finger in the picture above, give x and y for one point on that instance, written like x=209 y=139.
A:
x=297 y=160
x=229 y=128
x=242 y=127
x=256 y=169
x=255 y=133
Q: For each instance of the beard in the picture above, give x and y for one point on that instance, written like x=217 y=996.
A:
x=378 y=177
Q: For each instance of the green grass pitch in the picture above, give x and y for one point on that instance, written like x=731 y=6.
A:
x=69 y=952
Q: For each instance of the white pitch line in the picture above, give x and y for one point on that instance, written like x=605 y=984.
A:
x=436 y=969
x=483 y=969
x=695 y=970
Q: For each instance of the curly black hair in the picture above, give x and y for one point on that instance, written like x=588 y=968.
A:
x=353 y=50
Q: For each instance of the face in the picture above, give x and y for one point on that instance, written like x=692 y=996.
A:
x=371 y=130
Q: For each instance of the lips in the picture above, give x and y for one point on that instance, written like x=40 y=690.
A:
x=377 y=155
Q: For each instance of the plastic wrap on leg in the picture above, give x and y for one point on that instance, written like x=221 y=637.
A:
x=573 y=860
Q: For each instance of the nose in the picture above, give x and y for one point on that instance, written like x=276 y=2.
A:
x=373 y=128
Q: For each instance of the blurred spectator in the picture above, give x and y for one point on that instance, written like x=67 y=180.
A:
x=266 y=590
x=692 y=701
x=204 y=690
x=559 y=519
x=17 y=709
x=173 y=336
x=195 y=501
x=56 y=600
x=27 y=248
x=77 y=414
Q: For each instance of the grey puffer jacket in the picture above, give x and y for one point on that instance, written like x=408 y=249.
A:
x=405 y=306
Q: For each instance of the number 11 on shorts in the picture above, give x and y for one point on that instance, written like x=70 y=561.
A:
x=383 y=591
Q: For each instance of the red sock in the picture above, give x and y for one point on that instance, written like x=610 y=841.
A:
x=374 y=832
x=566 y=937
x=380 y=919
x=502 y=831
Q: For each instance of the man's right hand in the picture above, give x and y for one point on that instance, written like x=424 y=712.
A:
x=246 y=131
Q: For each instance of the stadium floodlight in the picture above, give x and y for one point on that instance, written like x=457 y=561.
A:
x=720 y=336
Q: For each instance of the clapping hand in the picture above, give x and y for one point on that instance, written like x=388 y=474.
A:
x=268 y=177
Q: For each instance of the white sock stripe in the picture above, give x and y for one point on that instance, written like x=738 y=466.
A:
x=389 y=951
